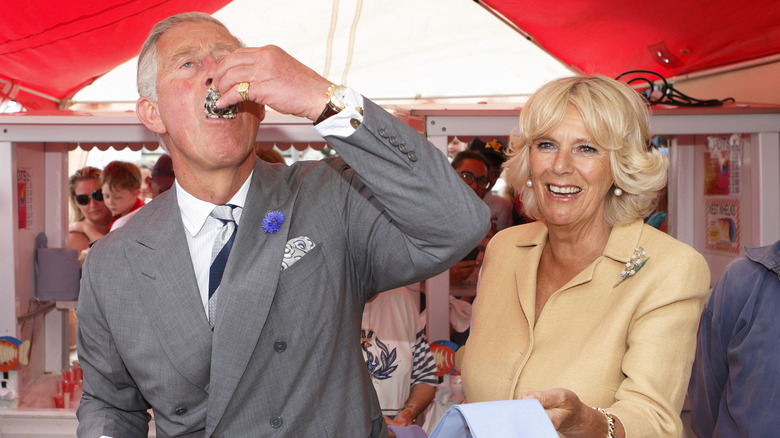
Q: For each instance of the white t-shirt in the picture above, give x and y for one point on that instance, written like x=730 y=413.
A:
x=395 y=349
x=500 y=210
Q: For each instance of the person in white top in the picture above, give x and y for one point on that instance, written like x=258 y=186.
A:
x=398 y=356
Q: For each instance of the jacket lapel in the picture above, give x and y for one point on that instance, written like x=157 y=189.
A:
x=525 y=279
x=248 y=287
x=169 y=292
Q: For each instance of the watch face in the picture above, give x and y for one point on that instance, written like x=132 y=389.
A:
x=337 y=96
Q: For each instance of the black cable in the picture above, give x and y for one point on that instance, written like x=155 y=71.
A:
x=660 y=91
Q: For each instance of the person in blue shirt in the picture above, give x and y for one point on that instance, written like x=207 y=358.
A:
x=735 y=383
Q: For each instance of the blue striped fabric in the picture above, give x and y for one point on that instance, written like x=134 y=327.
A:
x=424 y=366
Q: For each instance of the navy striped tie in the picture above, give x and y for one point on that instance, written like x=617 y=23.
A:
x=219 y=254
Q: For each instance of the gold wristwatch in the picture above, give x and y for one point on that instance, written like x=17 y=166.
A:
x=336 y=94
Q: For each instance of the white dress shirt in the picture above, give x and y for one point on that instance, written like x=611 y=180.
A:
x=202 y=229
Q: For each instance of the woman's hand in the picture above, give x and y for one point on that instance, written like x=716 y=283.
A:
x=83 y=255
x=570 y=416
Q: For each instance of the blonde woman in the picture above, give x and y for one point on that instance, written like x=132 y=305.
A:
x=92 y=217
x=587 y=308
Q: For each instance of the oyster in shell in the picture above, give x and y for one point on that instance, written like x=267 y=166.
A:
x=218 y=113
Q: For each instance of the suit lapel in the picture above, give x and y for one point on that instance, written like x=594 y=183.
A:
x=248 y=287
x=169 y=292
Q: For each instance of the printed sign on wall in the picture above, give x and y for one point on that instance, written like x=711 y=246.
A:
x=723 y=227
x=722 y=165
x=24 y=192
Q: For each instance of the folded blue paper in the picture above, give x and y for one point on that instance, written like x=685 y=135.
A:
x=505 y=418
x=413 y=431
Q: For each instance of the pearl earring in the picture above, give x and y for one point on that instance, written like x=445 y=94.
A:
x=618 y=191
x=529 y=183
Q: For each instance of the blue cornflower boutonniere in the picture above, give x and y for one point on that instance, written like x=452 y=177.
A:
x=638 y=259
x=273 y=221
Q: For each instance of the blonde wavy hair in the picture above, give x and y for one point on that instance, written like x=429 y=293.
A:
x=617 y=119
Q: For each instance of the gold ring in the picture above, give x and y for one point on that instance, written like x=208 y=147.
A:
x=242 y=88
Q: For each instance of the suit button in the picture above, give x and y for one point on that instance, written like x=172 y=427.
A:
x=280 y=346
x=402 y=148
x=383 y=132
x=276 y=421
x=180 y=410
x=412 y=156
x=393 y=140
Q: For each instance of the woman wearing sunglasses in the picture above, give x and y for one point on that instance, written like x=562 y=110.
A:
x=91 y=214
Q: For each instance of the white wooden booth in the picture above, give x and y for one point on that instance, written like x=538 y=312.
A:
x=33 y=150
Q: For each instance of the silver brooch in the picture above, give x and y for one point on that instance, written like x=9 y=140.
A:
x=638 y=259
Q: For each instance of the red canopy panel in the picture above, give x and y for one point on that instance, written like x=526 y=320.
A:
x=670 y=37
x=50 y=50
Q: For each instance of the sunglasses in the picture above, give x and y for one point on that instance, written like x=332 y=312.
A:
x=468 y=178
x=97 y=195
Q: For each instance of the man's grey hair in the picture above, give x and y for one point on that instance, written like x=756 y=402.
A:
x=148 y=62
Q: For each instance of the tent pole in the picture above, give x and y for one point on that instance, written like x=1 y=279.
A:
x=525 y=34
x=10 y=85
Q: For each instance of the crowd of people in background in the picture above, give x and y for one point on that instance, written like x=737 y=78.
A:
x=102 y=200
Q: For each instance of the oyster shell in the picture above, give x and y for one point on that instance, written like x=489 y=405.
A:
x=218 y=113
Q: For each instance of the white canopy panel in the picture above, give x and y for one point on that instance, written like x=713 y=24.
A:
x=392 y=52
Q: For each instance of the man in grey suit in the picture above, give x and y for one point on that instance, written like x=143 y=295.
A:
x=312 y=242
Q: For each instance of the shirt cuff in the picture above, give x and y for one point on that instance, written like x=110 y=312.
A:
x=341 y=124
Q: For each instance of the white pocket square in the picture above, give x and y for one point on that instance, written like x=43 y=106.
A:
x=295 y=249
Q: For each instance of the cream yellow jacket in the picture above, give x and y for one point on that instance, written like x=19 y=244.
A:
x=626 y=348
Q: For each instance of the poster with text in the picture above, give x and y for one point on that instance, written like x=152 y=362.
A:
x=24 y=197
x=722 y=165
x=723 y=229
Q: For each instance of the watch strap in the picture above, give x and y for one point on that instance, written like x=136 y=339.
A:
x=329 y=111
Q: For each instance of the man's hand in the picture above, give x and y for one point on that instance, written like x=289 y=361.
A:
x=275 y=79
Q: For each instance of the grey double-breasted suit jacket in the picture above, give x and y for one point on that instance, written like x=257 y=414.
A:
x=284 y=357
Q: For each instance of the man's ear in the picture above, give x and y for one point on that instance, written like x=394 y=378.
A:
x=147 y=113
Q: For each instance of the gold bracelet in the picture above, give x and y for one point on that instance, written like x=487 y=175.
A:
x=610 y=422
